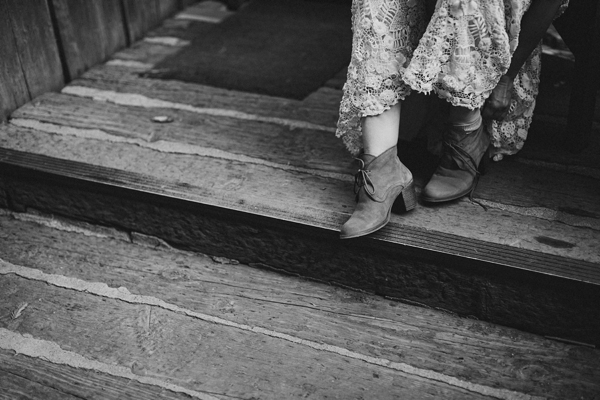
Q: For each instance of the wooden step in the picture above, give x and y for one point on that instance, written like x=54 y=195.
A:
x=106 y=307
x=263 y=179
x=236 y=157
x=523 y=288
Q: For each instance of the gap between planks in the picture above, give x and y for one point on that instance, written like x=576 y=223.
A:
x=49 y=350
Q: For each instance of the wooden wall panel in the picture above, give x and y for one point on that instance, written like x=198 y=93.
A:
x=141 y=17
x=167 y=8
x=33 y=60
x=13 y=88
x=36 y=44
x=90 y=31
x=30 y=63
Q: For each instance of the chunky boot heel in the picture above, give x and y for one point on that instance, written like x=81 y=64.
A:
x=378 y=184
x=407 y=200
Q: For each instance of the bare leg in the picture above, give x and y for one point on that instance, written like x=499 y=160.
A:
x=380 y=132
x=381 y=178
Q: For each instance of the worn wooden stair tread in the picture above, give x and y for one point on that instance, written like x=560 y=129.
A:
x=232 y=326
x=250 y=165
x=300 y=197
x=246 y=164
x=66 y=126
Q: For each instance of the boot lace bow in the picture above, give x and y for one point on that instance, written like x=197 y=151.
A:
x=362 y=180
x=467 y=161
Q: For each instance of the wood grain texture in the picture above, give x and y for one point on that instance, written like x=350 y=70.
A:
x=142 y=16
x=39 y=379
x=291 y=195
x=526 y=187
x=473 y=350
x=320 y=107
x=13 y=386
x=545 y=142
x=90 y=31
x=508 y=182
x=397 y=263
x=514 y=183
x=203 y=356
x=13 y=90
x=167 y=8
x=36 y=45
x=273 y=142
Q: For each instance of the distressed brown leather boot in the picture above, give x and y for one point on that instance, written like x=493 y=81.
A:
x=458 y=172
x=379 y=182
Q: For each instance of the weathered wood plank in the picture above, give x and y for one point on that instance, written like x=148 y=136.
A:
x=89 y=32
x=36 y=46
x=359 y=322
x=569 y=198
x=179 y=28
x=514 y=183
x=291 y=195
x=141 y=17
x=204 y=356
x=13 y=90
x=151 y=53
x=39 y=379
x=268 y=141
x=320 y=107
x=510 y=286
x=30 y=64
x=166 y=8
x=12 y=386
x=212 y=12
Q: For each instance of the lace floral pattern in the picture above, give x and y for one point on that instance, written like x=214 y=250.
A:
x=385 y=36
x=464 y=50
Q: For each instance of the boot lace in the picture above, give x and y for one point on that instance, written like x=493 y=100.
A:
x=363 y=180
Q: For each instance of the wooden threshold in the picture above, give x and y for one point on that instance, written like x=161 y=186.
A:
x=429 y=240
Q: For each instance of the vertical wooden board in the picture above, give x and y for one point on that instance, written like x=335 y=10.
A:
x=110 y=15
x=36 y=45
x=141 y=16
x=167 y=8
x=13 y=88
x=90 y=31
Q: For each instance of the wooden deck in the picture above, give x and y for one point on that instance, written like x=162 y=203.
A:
x=263 y=180
x=111 y=315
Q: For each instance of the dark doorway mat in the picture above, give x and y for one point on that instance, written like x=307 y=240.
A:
x=285 y=48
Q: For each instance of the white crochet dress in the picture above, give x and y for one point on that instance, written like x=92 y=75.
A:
x=460 y=54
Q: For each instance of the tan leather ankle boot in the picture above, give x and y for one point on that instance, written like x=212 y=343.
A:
x=378 y=183
x=458 y=172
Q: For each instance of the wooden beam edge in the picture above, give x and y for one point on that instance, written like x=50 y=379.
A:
x=395 y=233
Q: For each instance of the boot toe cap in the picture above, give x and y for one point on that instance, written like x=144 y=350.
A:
x=448 y=187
